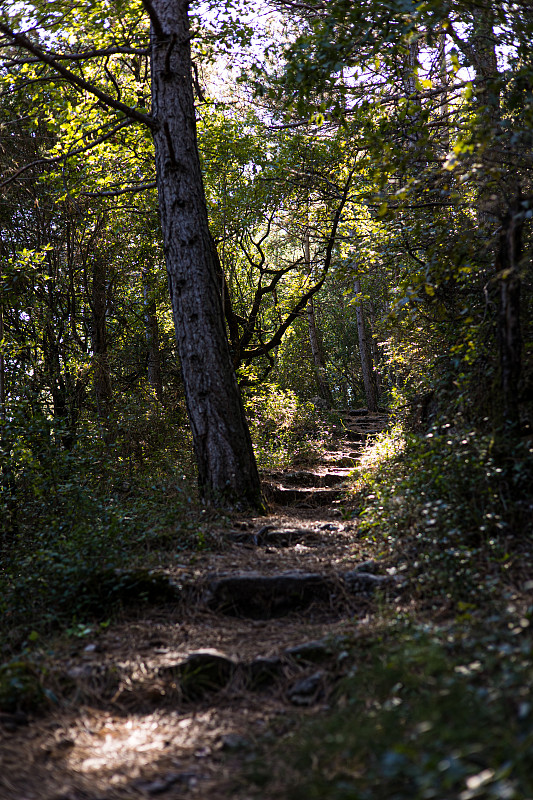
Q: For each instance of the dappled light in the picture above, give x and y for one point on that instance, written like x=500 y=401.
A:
x=266 y=400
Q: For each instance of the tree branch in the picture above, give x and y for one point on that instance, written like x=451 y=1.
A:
x=69 y=154
x=141 y=187
x=276 y=339
x=21 y=40
x=82 y=55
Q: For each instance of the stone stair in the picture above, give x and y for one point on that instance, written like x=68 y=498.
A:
x=238 y=635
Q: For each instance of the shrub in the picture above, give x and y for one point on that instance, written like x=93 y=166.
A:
x=77 y=513
x=284 y=429
x=448 y=504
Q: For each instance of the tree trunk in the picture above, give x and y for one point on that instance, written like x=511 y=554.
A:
x=2 y=363
x=409 y=87
x=509 y=318
x=444 y=104
x=322 y=384
x=489 y=202
x=102 y=380
x=366 y=357
x=153 y=360
x=374 y=348
x=227 y=470
x=499 y=201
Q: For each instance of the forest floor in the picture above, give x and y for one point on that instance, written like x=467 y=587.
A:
x=176 y=699
x=259 y=635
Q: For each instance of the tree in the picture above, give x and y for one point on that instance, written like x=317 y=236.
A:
x=365 y=351
x=227 y=471
x=444 y=90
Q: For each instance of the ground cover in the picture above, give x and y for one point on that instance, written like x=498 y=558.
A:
x=294 y=655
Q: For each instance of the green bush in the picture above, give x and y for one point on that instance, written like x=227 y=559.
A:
x=423 y=712
x=72 y=514
x=284 y=429
x=451 y=504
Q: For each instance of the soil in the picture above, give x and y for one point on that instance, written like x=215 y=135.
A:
x=134 y=728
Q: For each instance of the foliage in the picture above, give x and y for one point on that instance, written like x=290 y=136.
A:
x=284 y=429
x=21 y=686
x=423 y=712
x=452 y=507
x=69 y=516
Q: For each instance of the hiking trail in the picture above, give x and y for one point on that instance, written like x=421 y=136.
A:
x=170 y=701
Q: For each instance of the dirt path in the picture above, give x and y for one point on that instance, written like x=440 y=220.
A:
x=171 y=702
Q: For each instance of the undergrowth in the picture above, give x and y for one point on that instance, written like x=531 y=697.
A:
x=122 y=497
x=428 y=708
x=71 y=515
x=285 y=430
x=452 y=507
x=422 y=712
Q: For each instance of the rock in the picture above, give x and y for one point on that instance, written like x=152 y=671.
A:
x=354 y=436
x=360 y=582
x=310 y=651
x=201 y=673
x=307 y=691
x=286 y=537
x=263 y=671
x=86 y=671
x=307 y=478
x=269 y=536
x=365 y=566
x=310 y=496
x=260 y=596
x=243 y=525
x=159 y=785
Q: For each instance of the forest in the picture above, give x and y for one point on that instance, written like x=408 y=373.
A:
x=266 y=399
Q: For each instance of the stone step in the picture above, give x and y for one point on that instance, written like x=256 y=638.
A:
x=272 y=536
x=257 y=596
x=309 y=478
x=344 y=461
x=354 y=436
x=363 y=413
x=192 y=677
x=369 y=427
x=306 y=497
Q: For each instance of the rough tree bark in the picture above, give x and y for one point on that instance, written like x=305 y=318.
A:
x=227 y=470
x=364 y=351
x=374 y=347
